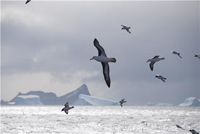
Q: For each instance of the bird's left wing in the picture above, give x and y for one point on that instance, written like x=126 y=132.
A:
x=151 y=65
x=67 y=104
x=106 y=71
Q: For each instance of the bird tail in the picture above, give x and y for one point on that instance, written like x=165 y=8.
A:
x=162 y=58
x=113 y=60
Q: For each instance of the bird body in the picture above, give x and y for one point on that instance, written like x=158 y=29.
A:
x=153 y=61
x=102 y=57
x=126 y=28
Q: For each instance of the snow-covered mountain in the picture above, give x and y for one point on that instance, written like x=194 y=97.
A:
x=95 y=101
x=42 y=98
x=191 y=101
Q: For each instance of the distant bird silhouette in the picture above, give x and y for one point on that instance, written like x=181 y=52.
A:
x=193 y=131
x=179 y=127
x=153 y=61
x=195 y=55
x=126 y=28
x=67 y=108
x=161 y=77
x=102 y=57
x=122 y=102
x=176 y=53
x=27 y=1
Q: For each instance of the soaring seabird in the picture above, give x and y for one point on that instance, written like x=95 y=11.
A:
x=176 y=53
x=122 y=102
x=193 y=131
x=126 y=28
x=195 y=55
x=27 y=1
x=67 y=108
x=153 y=60
x=104 y=61
x=179 y=127
x=161 y=77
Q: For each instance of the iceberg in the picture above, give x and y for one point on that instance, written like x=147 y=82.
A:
x=28 y=100
x=191 y=101
x=94 y=101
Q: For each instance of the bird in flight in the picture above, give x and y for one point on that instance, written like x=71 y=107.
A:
x=67 y=108
x=153 y=61
x=102 y=57
x=176 y=53
x=122 y=102
x=126 y=28
x=161 y=77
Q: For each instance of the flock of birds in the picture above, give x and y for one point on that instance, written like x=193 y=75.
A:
x=102 y=57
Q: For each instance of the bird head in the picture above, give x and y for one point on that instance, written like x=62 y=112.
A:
x=92 y=58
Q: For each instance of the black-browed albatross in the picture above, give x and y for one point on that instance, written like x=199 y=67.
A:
x=195 y=55
x=126 y=28
x=176 y=53
x=102 y=57
x=154 y=60
x=122 y=102
x=161 y=77
x=67 y=108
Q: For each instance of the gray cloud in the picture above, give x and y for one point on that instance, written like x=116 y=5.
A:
x=52 y=42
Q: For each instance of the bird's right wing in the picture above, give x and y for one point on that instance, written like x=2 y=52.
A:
x=99 y=48
x=151 y=65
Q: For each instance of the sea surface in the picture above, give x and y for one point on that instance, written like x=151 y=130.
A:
x=99 y=120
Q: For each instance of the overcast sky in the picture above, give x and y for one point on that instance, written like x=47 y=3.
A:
x=47 y=46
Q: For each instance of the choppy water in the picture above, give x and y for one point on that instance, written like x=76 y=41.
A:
x=99 y=120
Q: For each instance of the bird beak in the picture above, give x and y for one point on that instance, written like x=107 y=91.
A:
x=91 y=58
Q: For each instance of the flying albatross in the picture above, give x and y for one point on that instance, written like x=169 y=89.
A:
x=27 y=1
x=153 y=61
x=193 y=131
x=104 y=61
x=122 y=102
x=176 y=53
x=161 y=77
x=67 y=108
x=195 y=55
x=126 y=28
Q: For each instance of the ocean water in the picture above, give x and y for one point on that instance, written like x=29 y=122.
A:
x=99 y=120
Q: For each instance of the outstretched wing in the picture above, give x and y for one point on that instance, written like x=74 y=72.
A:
x=67 y=104
x=27 y=1
x=151 y=65
x=155 y=57
x=106 y=71
x=99 y=48
x=129 y=31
